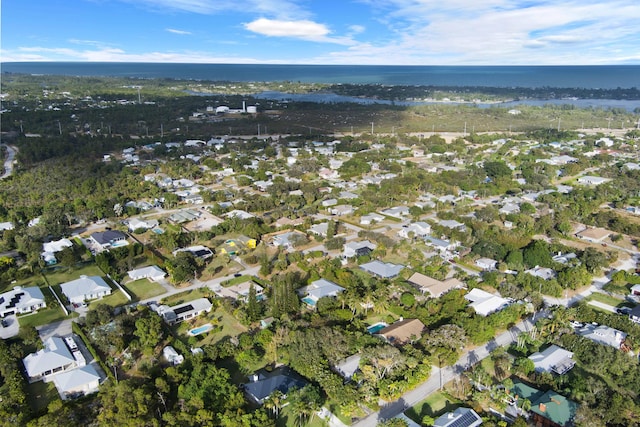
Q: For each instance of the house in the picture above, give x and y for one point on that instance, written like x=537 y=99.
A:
x=594 y=234
x=21 y=300
x=172 y=356
x=240 y=214
x=402 y=331
x=6 y=226
x=181 y=312
x=329 y=202
x=435 y=288
x=138 y=224
x=197 y=251
x=564 y=258
x=289 y=239
x=419 y=229
x=357 y=249
x=396 y=212
x=54 y=358
x=108 y=239
x=346 y=368
x=553 y=359
x=248 y=241
x=340 y=210
x=263 y=383
x=486 y=264
x=461 y=417
x=452 y=224
x=371 y=218
x=509 y=208
x=77 y=382
x=85 y=288
x=152 y=272
x=634 y=314
x=320 y=229
x=485 y=303
x=542 y=272
x=318 y=289
x=240 y=291
x=553 y=410
x=592 y=180
x=385 y=270
x=439 y=244
x=49 y=250
x=602 y=334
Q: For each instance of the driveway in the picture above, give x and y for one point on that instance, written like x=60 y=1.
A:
x=58 y=329
x=12 y=328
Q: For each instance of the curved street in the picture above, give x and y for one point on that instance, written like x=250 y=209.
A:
x=8 y=163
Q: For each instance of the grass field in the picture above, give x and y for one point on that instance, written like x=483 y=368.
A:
x=434 y=406
x=218 y=318
x=597 y=296
x=115 y=299
x=63 y=274
x=288 y=419
x=143 y=289
x=43 y=317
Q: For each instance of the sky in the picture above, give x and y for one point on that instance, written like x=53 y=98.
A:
x=349 y=32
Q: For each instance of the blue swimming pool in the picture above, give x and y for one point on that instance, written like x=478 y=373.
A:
x=374 y=329
x=201 y=329
x=309 y=301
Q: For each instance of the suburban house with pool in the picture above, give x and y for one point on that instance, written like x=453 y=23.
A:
x=318 y=289
x=109 y=239
x=182 y=312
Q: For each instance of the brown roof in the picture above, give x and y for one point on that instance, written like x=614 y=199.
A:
x=403 y=331
x=433 y=286
x=594 y=233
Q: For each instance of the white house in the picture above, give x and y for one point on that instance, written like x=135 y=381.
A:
x=21 y=300
x=49 y=250
x=54 y=358
x=542 y=272
x=77 y=382
x=592 y=180
x=172 y=356
x=487 y=264
x=109 y=238
x=151 y=272
x=137 y=224
x=396 y=212
x=85 y=288
x=371 y=218
x=419 y=229
x=461 y=417
x=340 y=210
x=362 y=248
x=187 y=310
x=553 y=359
x=485 y=303
x=319 y=289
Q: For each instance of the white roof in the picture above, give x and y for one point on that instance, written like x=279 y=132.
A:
x=19 y=298
x=55 y=354
x=85 y=285
x=485 y=303
x=321 y=288
x=70 y=381
x=553 y=359
x=149 y=272
x=56 y=246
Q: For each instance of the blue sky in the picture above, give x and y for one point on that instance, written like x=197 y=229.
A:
x=366 y=32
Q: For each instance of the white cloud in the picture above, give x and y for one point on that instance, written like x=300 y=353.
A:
x=356 y=29
x=303 y=29
x=180 y=32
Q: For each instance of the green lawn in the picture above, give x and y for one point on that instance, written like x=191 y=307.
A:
x=597 y=296
x=236 y=281
x=434 y=405
x=63 y=274
x=43 y=317
x=115 y=299
x=288 y=419
x=143 y=289
x=218 y=318
x=185 y=296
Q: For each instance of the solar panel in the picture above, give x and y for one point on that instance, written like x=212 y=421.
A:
x=184 y=309
x=467 y=419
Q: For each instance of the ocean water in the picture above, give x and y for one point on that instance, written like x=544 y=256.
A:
x=594 y=77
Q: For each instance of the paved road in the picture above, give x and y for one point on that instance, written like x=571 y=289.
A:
x=444 y=375
x=8 y=163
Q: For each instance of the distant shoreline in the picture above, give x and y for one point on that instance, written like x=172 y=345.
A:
x=580 y=76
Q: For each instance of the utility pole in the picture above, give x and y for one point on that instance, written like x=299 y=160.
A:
x=371 y=128
x=139 y=99
x=161 y=130
x=558 y=124
x=59 y=127
x=258 y=129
